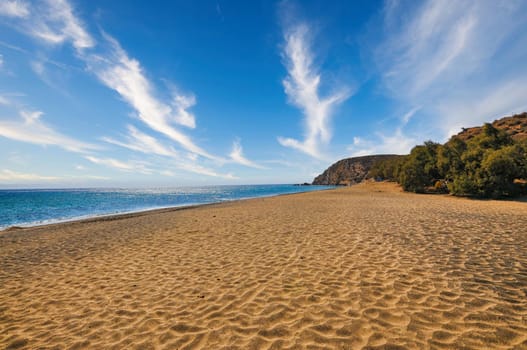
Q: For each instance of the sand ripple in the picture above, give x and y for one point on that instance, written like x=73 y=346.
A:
x=361 y=268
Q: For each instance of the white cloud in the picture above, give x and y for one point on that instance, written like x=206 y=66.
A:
x=111 y=64
x=4 y=101
x=51 y=21
x=132 y=166
x=199 y=169
x=181 y=116
x=302 y=88
x=141 y=142
x=33 y=130
x=56 y=23
x=397 y=142
x=10 y=176
x=494 y=102
x=409 y=115
x=125 y=75
x=427 y=46
x=46 y=71
x=463 y=62
x=238 y=157
x=14 y=8
x=13 y=47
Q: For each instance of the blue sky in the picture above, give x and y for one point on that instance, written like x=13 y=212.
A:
x=176 y=93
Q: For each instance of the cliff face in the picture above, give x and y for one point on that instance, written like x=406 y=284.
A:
x=349 y=171
x=515 y=126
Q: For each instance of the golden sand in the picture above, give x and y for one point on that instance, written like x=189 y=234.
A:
x=353 y=268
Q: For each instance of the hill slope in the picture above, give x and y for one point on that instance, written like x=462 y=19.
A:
x=515 y=126
x=350 y=170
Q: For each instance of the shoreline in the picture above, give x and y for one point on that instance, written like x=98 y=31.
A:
x=146 y=211
x=139 y=212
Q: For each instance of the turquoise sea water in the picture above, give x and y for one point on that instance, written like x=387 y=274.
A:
x=36 y=207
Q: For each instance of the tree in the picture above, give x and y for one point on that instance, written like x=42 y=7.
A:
x=387 y=169
x=486 y=165
x=419 y=170
x=499 y=170
x=491 y=138
x=449 y=162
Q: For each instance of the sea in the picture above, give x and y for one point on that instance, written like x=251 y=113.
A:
x=33 y=207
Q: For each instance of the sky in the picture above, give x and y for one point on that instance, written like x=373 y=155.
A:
x=190 y=93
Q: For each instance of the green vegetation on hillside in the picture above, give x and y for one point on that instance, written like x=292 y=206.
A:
x=490 y=164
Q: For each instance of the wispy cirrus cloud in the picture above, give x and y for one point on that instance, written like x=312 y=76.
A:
x=394 y=142
x=116 y=70
x=62 y=24
x=302 y=89
x=15 y=177
x=164 y=169
x=131 y=166
x=492 y=102
x=180 y=104
x=7 y=175
x=465 y=62
x=14 y=8
x=51 y=21
x=196 y=168
x=51 y=77
x=138 y=141
x=237 y=156
x=141 y=142
x=417 y=53
x=30 y=128
x=55 y=23
x=125 y=75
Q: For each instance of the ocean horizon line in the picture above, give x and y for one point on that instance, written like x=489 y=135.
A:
x=38 y=188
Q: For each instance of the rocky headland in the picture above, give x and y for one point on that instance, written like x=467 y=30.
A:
x=350 y=171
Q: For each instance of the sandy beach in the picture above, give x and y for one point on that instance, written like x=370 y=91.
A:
x=366 y=267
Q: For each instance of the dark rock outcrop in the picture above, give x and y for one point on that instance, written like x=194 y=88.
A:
x=350 y=170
